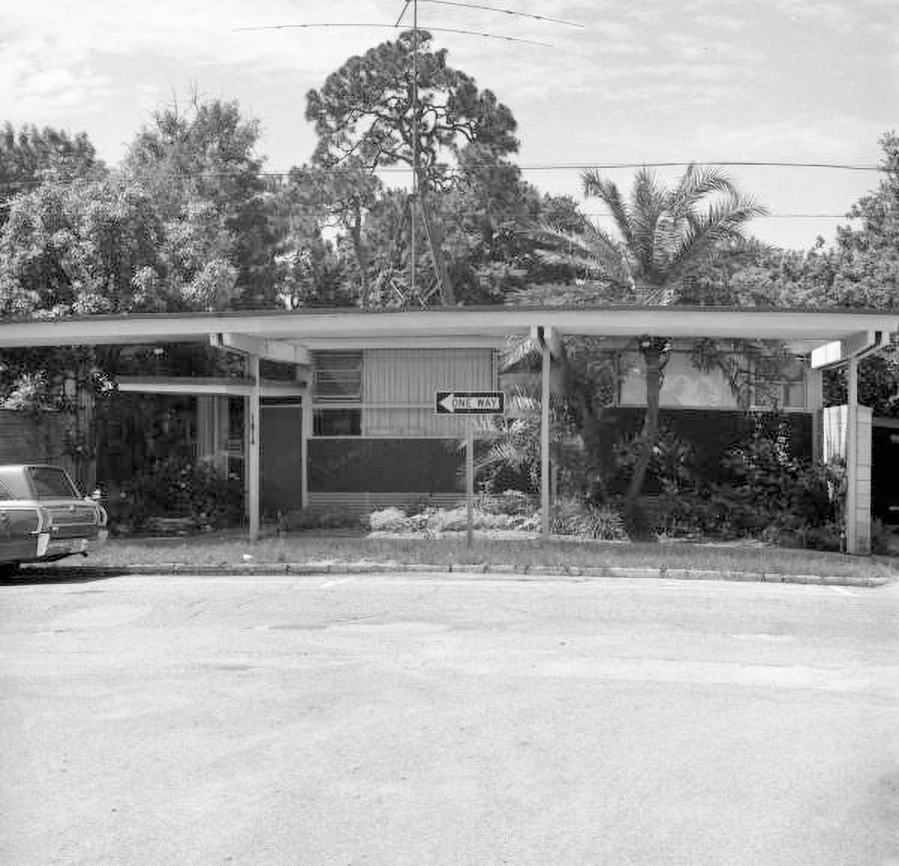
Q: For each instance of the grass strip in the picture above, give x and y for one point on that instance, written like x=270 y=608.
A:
x=523 y=554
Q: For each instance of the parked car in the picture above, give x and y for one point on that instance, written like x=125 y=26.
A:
x=44 y=517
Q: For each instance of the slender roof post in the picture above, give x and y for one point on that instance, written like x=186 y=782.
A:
x=853 y=544
x=544 y=435
x=253 y=449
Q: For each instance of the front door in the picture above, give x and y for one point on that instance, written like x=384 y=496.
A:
x=281 y=459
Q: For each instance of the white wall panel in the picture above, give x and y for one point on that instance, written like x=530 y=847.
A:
x=400 y=384
x=682 y=386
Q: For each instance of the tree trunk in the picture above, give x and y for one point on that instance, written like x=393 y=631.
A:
x=654 y=356
x=435 y=241
x=361 y=251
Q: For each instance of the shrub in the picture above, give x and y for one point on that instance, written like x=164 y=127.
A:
x=512 y=502
x=573 y=516
x=439 y=520
x=456 y=520
x=389 y=520
x=330 y=518
x=178 y=487
x=765 y=488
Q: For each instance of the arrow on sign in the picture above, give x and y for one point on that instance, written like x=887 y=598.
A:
x=447 y=402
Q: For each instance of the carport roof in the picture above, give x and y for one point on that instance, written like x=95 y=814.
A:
x=350 y=328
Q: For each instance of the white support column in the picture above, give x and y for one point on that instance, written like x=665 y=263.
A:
x=814 y=402
x=544 y=441
x=253 y=449
x=852 y=535
x=306 y=432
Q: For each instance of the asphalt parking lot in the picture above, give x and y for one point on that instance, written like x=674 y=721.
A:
x=436 y=719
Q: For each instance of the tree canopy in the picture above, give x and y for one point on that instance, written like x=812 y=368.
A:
x=30 y=155
x=401 y=104
x=201 y=169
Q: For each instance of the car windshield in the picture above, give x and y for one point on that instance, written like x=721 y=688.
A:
x=50 y=482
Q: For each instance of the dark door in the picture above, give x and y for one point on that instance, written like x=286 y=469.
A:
x=885 y=473
x=281 y=459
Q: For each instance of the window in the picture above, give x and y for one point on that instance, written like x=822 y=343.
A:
x=337 y=422
x=338 y=377
x=52 y=483
x=776 y=384
x=337 y=394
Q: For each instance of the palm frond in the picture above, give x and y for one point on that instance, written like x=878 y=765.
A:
x=705 y=233
x=592 y=251
x=648 y=206
x=609 y=194
x=593 y=243
x=695 y=184
x=518 y=350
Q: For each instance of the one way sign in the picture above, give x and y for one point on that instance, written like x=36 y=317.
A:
x=470 y=402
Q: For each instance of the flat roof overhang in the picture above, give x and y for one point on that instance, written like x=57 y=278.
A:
x=324 y=329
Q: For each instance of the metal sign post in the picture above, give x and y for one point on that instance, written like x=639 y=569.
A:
x=469 y=483
x=469 y=403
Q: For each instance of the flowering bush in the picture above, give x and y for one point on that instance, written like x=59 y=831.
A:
x=389 y=520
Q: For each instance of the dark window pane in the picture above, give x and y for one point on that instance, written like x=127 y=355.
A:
x=337 y=422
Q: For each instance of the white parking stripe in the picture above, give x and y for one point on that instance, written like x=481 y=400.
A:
x=841 y=591
x=331 y=583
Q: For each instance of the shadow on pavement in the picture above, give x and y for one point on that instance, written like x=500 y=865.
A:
x=47 y=574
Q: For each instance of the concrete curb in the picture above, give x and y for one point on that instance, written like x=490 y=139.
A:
x=498 y=571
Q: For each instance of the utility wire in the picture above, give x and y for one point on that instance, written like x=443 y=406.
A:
x=301 y=209
x=393 y=27
x=743 y=163
x=496 y=9
x=337 y=169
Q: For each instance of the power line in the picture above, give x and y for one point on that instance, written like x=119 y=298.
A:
x=739 y=163
x=394 y=27
x=337 y=169
x=301 y=208
x=638 y=165
x=496 y=9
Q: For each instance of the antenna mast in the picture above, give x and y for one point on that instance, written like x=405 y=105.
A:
x=414 y=132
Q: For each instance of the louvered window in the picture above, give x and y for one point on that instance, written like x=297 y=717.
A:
x=338 y=377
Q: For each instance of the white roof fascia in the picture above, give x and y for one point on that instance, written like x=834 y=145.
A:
x=283 y=351
x=233 y=387
x=464 y=341
x=352 y=327
x=855 y=345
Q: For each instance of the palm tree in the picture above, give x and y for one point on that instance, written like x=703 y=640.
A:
x=664 y=237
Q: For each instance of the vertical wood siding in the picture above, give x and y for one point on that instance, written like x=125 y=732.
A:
x=399 y=387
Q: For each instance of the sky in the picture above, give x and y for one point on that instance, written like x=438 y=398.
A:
x=637 y=83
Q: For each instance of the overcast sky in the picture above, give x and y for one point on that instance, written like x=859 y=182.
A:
x=801 y=81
